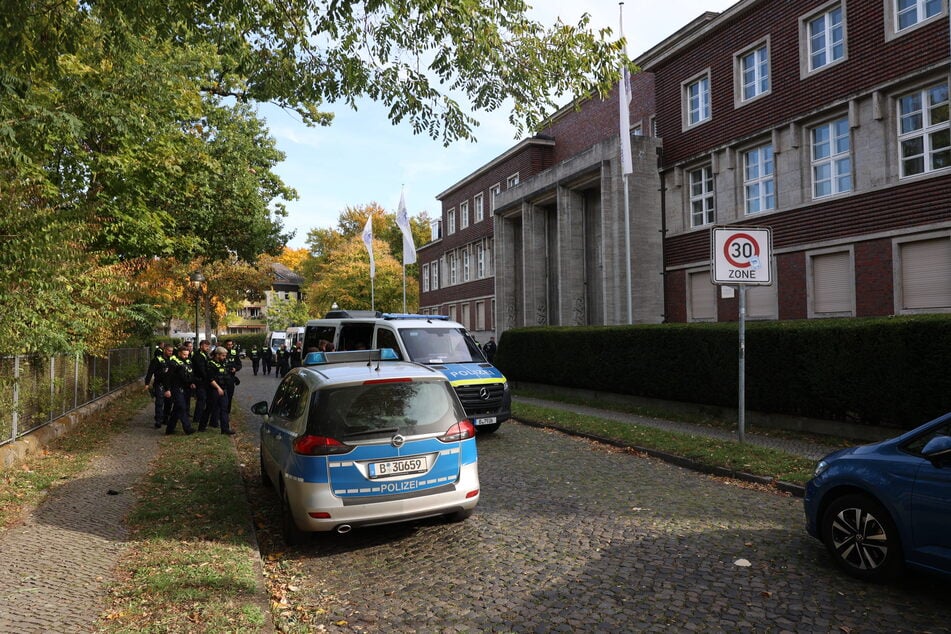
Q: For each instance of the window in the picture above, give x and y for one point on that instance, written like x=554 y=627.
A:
x=465 y=316
x=758 y=183
x=924 y=137
x=653 y=122
x=512 y=181
x=908 y=13
x=825 y=38
x=831 y=158
x=435 y=230
x=701 y=196
x=702 y=297
x=480 y=260
x=465 y=264
x=924 y=271
x=762 y=302
x=452 y=257
x=697 y=100
x=434 y=275
x=451 y=220
x=425 y=277
x=452 y=312
x=830 y=285
x=478 y=207
x=637 y=130
x=494 y=191
x=753 y=67
x=464 y=214
x=480 y=316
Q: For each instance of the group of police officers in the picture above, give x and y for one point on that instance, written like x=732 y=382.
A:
x=175 y=376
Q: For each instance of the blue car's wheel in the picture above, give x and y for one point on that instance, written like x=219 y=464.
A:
x=862 y=538
x=293 y=536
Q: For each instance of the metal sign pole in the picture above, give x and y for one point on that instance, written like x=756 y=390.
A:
x=741 y=398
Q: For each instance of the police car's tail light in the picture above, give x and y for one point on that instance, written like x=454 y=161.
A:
x=460 y=431
x=319 y=446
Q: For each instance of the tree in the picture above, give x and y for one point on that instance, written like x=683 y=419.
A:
x=344 y=277
x=288 y=312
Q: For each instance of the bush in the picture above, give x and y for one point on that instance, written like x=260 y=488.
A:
x=887 y=371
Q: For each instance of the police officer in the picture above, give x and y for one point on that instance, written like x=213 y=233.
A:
x=219 y=377
x=267 y=356
x=158 y=368
x=234 y=366
x=296 y=356
x=255 y=356
x=283 y=361
x=200 y=365
x=181 y=379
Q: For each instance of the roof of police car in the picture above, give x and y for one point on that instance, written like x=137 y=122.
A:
x=359 y=371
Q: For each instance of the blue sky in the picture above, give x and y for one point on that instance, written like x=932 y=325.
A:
x=363 y=158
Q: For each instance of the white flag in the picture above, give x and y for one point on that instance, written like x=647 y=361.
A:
x=624 y=111
x=368 y=241
x=402 y=221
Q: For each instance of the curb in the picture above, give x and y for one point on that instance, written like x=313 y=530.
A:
x=790 y=488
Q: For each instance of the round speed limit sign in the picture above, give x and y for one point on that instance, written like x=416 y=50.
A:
x=741 y=255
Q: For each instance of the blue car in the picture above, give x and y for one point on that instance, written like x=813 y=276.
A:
x=881 y=507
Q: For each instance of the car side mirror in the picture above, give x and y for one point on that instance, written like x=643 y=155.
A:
x=260 y=408
x=938 y=450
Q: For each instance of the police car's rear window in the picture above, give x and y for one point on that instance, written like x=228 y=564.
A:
x=365 y=411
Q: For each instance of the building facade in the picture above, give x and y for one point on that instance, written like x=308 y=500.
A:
x=826 y=122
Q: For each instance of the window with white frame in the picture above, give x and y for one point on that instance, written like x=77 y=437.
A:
x=452 y=258
x=425 y=277
x=753 y=72
x=480 y=316
x=909 y=13
x=512 y=181
x=924 y=135
x=465 y=264
x=451 y=221
x=702 y=207
x=637 y=130
x=434 y=275
x=824 y=38
x=701 y=297
x=653 y=123
x=480 y=259
x=925 y=274
x=435 y=230
x=696 y=95
x=830 y=285
x=489 y=267
x=831 y=158
x=465 y=316
x=464 y=214
x=758 y=179
x=494 y=191
x=452 y=312
x=478 y=207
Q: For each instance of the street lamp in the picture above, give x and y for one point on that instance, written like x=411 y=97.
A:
x=197 y=278
x=334 y=306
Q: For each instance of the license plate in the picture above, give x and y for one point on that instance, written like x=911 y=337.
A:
x=403 y=466
x=484 y=421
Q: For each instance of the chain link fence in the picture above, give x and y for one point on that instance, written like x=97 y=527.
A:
x=36 y=390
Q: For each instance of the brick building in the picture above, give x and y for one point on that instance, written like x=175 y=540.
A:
x=826 y=122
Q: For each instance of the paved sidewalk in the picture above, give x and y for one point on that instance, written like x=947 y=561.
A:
x=813 y=451
x=56 y=565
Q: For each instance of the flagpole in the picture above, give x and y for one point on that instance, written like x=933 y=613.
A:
x=404 y=287
x=626 y=164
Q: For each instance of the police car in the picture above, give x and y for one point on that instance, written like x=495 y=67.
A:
x=360 y=438
x=432 y=340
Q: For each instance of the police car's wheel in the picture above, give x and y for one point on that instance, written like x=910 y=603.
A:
x=460 y=516
x=487 y=429
x=293 y=536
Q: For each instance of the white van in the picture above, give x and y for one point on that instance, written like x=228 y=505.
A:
x=275 y=339
x=431 y=340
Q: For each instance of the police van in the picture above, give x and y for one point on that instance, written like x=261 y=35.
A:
x=431 y=340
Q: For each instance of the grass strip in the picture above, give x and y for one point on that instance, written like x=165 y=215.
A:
x=193 y=567
x=709 y=452
x=24 y=485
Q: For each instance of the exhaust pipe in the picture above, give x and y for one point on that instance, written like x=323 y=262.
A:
x=343 y=529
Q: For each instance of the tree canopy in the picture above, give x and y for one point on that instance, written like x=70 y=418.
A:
x=129 y=130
